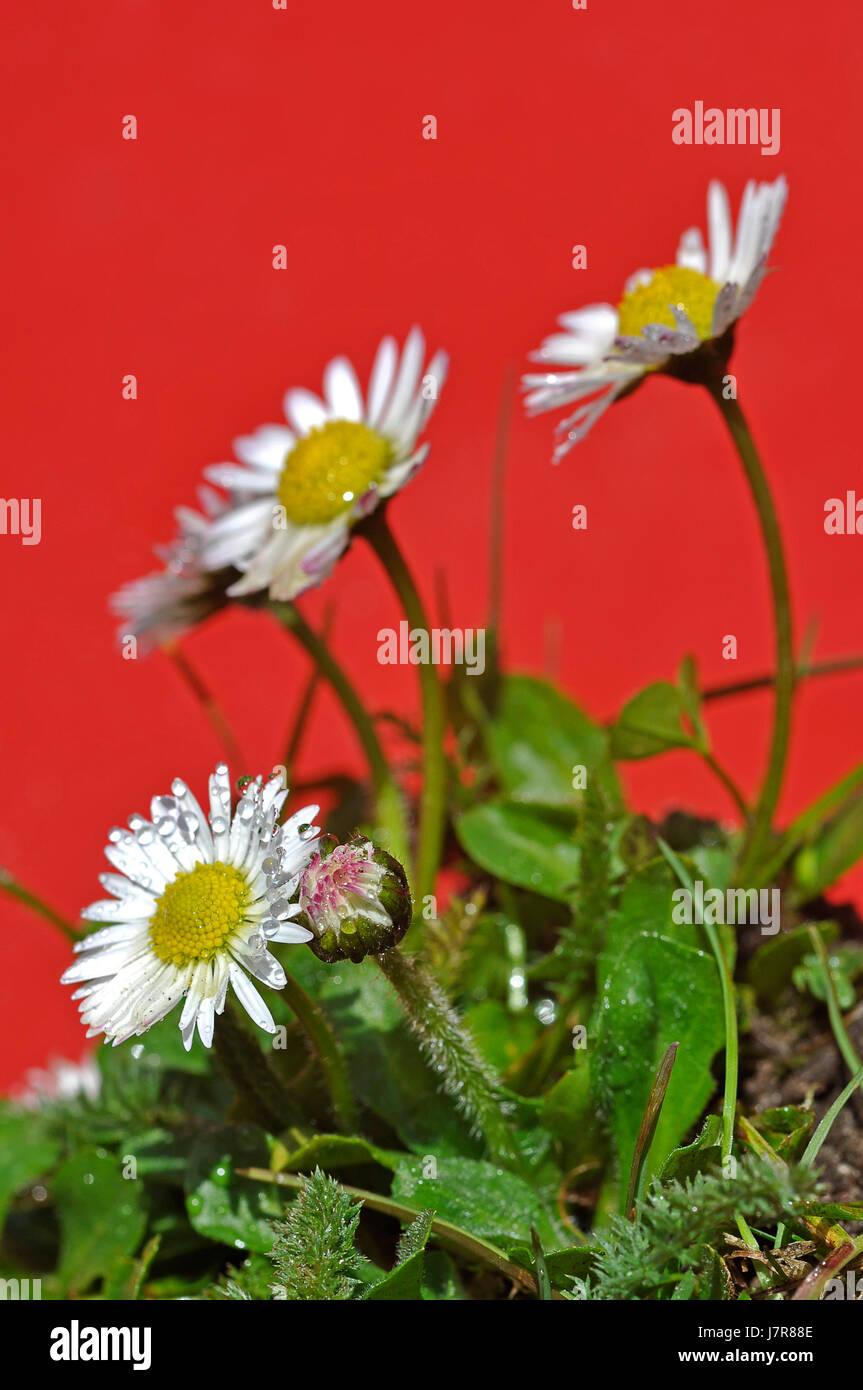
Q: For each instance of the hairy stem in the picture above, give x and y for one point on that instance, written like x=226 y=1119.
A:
x=451 y=1052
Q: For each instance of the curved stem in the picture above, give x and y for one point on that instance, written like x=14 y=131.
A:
x=388 y=798
x=16 y=890
x=728 y=783
x=432 y=798
x=327 y=1050
x=785 y=673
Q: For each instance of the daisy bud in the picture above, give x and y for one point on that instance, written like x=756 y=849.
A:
x=355 y=899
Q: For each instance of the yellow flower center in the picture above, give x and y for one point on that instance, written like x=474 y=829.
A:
x=198 y=913
x=672 y=284
x=329 y=469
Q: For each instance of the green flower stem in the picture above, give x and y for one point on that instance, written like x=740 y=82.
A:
x=837 y=1023
x=452 y=1053
x=258 y=1088
x=728 y=783
x=388 y=798
x=762 y=819
x=13 y=889
x=327 y=1050
x=470 y=1247
x=433 y=799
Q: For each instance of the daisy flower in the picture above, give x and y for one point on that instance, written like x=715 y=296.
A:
x=164 y=604
x=197 y=901
x=665 y=317
x=300 y=488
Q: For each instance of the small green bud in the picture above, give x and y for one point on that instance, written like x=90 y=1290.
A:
x=355 y=899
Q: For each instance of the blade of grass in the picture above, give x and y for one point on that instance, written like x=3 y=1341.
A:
x=649 y=1121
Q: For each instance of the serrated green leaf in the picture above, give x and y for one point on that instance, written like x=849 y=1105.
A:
x=487 y=1201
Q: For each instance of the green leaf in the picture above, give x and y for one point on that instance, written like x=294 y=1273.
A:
x=101 y=1216
x=704 y=1153
x=226 y=1208
x=336 y=1151
x=487 y=1201
x=836 y=848
x=529 y=846
x=26 y=1153
x=568 y=1111
x=651 y=723
x=786 y=1129
x=537 y=736
x=402 y=1284
x=405 y=1281
x=770 y=968
x=646 y=904
x=656 y=992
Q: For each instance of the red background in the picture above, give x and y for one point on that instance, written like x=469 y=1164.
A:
x=303 y=127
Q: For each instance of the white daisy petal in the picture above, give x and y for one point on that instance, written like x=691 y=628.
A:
x=406 y=382
x=232 y=476
x=304 y=410
x=267 y=448
x=342 y=390
x=251 y=1000
x=381 y=380
x=719 y=231
x=230 y=888
x=691 y=252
